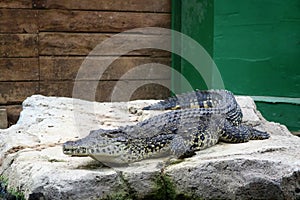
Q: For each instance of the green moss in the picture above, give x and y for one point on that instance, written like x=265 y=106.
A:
x=92 y=165
x=9 y=193
x=131 y=193
x=125 y=193
x=174 y=161
x=119 y=196
x=164 y=189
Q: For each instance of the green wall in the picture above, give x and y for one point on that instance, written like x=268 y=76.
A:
x=181 y=21
x=257 y=50
x=256 y=46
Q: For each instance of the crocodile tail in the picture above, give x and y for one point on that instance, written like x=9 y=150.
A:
x=195 y=99
x=168 y=104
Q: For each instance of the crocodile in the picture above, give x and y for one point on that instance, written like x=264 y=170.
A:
x=196 y=120
x=209 y=102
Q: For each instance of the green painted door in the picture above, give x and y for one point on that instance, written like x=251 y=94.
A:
x=256 y=47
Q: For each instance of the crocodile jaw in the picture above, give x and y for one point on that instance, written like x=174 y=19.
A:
x=70 y=148
x=109 y=153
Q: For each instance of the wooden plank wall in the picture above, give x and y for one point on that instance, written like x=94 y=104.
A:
x=44 y=42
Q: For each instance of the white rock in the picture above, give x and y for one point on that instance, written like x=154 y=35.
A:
x=33 y=162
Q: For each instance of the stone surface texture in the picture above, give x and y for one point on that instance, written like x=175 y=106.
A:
x=31 y=158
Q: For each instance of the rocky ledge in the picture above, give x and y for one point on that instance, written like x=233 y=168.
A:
x=33 y=164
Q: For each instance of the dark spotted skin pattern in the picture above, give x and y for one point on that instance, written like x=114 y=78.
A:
x=197 y=120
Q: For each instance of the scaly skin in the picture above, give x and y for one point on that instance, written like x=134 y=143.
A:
x=211 y=101
x=178 y=132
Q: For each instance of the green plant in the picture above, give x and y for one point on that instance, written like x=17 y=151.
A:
x=9 y=193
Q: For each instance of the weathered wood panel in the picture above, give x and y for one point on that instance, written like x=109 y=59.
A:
x=98 y=21
x=104 y=90
x=81 y=44
x=110 y=5
x=13 y=113
x=69 y=43
x=19 y=69
x=151 y=91
x=16 y=4
x=18 y=45
x=16 y=92
x=65 y=89
x=44 y=42
x=57 y=88
x=66 y=68
x=59 y=68
x=18 y=21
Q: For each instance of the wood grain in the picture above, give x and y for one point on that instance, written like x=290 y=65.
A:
x=18 y=21
x=43 y=44
x=69 y=43
x=110 y=5
x=81 y=44
x=16 y=4
x=19 y=69
x=66 y=68
x=147 y=90
x=99 y=21
x=13 y=113
x=151 y=91
x=18 y=45
x=16 y=92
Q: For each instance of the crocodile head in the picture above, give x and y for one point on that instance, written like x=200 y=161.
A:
x=103 y=145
